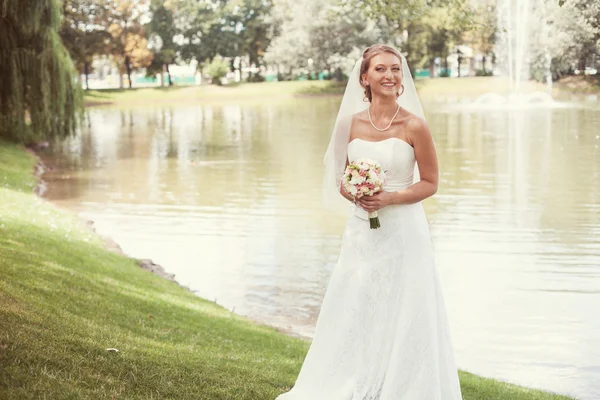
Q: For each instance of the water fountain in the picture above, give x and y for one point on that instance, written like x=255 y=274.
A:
x=517 y=21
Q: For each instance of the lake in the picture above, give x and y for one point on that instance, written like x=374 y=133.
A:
x=227 y=197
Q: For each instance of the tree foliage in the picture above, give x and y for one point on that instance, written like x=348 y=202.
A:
x=427 y=28
x=235 y=28
x=309 y=36
x=129 y=45
x=571 y=39
x=217 y=69
x=482 y=36
x=39 y=94
x=318 y=35
x=161 y=31
x=83 y=31
x=255 y=27
x=203 y=31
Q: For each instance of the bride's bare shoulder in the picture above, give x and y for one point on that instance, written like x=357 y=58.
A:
x=360 y=117
x=416 y=126
x=353 y=119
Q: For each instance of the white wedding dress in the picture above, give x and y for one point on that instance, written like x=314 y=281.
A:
x=382 y=332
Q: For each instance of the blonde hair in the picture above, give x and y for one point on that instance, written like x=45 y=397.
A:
x=368 y=55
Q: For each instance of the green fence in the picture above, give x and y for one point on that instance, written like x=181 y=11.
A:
x=185 y=80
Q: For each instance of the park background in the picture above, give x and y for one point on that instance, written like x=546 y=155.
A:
x=199 y=145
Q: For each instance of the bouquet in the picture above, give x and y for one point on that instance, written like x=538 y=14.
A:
x=364 y=177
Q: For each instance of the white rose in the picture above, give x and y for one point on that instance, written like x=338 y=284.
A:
x=357 y=179
x=353 y=190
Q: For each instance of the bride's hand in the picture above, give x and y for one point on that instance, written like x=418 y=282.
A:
x=375 y=202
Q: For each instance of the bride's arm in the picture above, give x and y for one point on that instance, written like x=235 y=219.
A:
x=425 y=154
x=343 y=192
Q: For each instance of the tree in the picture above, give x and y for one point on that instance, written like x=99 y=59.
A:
x=482 y=37
x=427 y=28
x=217 y=69
x=129 y=45
x=566 y=38
x=204 y=32
x=161 y=30
x=339 y=33
x=585 y=29
x=253 y=17
x=39 y=96
x=291 y=47
x=320 y=35
x=415 y=10
x=444 y=28
x=235 y=28
x=83 y=31
x=420 y=20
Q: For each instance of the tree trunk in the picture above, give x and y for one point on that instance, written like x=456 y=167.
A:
x=128 y=66
x=86 y=71
x=446 y=72
x=169 y=76
x=432 y=68
x=483 y=65
x=338 y=74
x=582 y=62
x=251 y=73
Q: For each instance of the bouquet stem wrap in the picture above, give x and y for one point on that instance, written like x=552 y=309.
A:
x=374 y=220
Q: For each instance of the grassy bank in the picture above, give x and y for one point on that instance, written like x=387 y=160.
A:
x=579 y=84
x=428 y=88
x=212 y=93
x=65 y=300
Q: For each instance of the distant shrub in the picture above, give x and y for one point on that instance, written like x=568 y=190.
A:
x=481 y=72
x=284 y=76
x=217 y=69
x=256 y=78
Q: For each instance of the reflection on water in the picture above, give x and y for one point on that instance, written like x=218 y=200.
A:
x=228 y=198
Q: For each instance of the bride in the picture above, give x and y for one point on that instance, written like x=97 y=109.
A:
x=382 y=332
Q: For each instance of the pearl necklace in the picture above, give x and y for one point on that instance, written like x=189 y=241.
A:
x=387 y=127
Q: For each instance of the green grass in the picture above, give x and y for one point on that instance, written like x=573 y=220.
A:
x=16 y=168
x=580 y=84
x=64 y=300
x=212 y=93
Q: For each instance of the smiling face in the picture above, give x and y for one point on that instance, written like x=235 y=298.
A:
x=383 y=76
